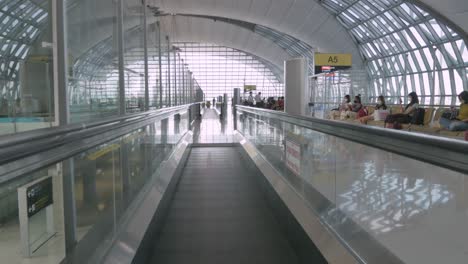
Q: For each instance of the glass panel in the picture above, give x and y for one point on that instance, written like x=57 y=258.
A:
x=93 y=66
x=378 y=190
x=219 y=70
x=134 y=59
x=393 y=27
x=26 y=66
x=110 y=176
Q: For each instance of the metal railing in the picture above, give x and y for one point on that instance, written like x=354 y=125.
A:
x=372 y=189
x=444 y=152
x=28 y=151
x=99 y=154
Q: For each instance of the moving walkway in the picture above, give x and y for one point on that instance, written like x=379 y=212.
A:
x=279 y=189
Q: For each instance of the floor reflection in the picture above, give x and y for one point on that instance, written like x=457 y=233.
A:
x=211 y=129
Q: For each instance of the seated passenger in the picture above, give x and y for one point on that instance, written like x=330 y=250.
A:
x=356 y=107
x=344 y=106
x=408 y=111
x=281 y=103
x=381 y=105
x=460 y=122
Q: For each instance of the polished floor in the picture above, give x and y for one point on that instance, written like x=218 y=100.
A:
x=212 y=129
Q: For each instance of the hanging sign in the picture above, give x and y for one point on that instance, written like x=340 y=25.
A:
x=333 y=59
x=248 y=88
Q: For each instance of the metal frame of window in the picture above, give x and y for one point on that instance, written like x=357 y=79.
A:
x=21 y=23
x=406 y=48
x=219 y=70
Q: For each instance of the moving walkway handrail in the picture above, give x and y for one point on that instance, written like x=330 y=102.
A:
x=17 y=147
x=34 y=135
x=444 y=152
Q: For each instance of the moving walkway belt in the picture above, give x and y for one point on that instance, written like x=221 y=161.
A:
x=219 y=215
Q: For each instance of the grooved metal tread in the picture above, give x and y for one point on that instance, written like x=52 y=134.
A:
x=219 y=215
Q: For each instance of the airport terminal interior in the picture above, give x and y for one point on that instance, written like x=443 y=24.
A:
x=233 y=131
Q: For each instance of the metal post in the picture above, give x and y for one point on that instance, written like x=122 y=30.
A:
x=434 y=72
x=191 y=87
x=62 y=112
x=120 y=40
x=61 y=63
x=160 y=65
x=164 y=130
x=183 y=83
x=175 y=78
x=187 y=80
x=69 y=206
x=169 y=70
x=145 y=47
x=125 y=171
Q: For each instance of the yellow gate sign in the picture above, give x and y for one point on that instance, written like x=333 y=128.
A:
x=250 y=87
x=333 y=59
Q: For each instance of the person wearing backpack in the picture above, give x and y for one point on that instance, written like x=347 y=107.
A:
x=408 y=112
x=459 y=122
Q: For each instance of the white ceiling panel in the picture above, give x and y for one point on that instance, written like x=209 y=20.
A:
x=258 y=10
x=454 y=10
x=277 y=12
x=298 y=11
x=301 y=19
x=192 y=29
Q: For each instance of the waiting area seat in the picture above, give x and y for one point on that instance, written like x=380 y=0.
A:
x=431 y=125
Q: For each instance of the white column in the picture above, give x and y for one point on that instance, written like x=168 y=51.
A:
x=296 y=86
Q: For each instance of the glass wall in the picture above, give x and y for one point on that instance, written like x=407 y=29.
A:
x=93 y=66
x=219 y=70
x=26 y=65
x=177 y=71
x=134 y=59
x=407 y=49
x=328 y=90
x=374 y=200
x=108 y=177
x=105 y=180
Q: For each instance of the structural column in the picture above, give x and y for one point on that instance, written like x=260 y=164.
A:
x=63 y=118
x=175 y=78
x=296 y=86
x=121 y=49
x=169 y=71
x=160 y=65
x=183 y=83
x=145 y=47
x=191 y=87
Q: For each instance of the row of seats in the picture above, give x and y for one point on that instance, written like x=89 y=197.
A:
x=431 y=122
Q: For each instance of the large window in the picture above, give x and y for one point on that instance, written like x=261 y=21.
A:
x=26 y=65
x=219 y=70
x=406 y=49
